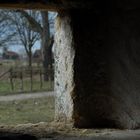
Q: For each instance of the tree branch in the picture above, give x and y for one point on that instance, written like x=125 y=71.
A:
x=35 y=26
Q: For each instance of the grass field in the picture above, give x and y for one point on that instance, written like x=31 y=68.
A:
x=5 y=87
x=27 y=111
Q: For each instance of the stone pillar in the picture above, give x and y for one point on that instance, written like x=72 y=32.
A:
x=64 y=63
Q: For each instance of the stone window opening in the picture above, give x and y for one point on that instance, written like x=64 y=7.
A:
x=96 y=62
x=19 y=85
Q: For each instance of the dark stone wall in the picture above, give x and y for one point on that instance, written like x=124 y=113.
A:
x=107 y=68
x=125 y=67
x=92 y=85
x=70 y=4
x=106 y=39
x=55 y=5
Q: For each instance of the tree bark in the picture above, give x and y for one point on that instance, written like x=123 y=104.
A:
x=29 y=58
x=46 y=47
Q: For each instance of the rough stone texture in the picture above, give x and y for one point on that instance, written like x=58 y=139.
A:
x=69 y=4
x=46 y=4
x=97 y=61
x=64 y=57
x=107 y=68
x=91 y=67
x=125 y=68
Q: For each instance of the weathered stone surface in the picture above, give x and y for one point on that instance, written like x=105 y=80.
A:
x=97 y=72
x=64 y=61
x=91 y=69
x=107 y=68
x=69 y=4
x=46 y=4
x=125 y=68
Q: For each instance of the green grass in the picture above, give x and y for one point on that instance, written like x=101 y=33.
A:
x=27 y=111
x=5 y=87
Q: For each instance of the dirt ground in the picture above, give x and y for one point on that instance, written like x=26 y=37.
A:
x=59 y=131
x=24 y=96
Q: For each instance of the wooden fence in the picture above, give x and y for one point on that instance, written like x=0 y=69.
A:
x=29 y=74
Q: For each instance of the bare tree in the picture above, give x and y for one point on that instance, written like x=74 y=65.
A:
x=6 y=31
x=29 y=26
x=26 y=35
x=46 y=39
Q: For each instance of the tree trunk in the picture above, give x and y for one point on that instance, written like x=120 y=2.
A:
x=30 y=58
x=30 y=67
x=46 y=47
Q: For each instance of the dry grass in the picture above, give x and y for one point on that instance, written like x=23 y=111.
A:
x=27 y=111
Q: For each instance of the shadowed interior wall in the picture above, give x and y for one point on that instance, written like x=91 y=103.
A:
x=98 y=69
x=91 y=67
x=107 y=68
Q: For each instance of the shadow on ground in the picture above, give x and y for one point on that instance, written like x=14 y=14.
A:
x=19 y=136
x=59 y=131
x=15 y=136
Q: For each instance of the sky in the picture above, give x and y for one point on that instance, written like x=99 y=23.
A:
x=20 y=49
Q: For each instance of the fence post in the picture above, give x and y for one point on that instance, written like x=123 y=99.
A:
x=11 y=79
x=52 y=78
x=31 y=78
x=41 y=81
x=21 y=78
